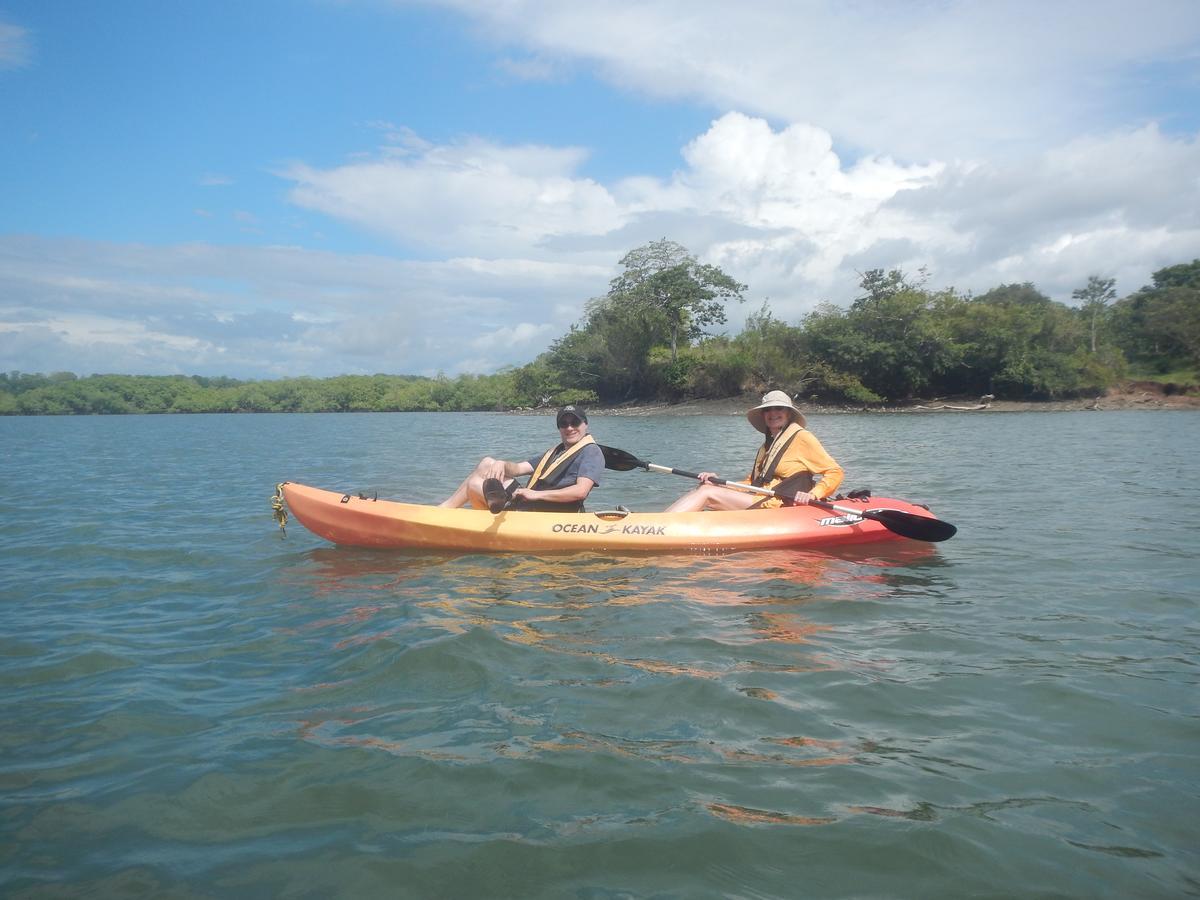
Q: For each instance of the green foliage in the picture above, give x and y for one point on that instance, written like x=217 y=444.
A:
x=669 y=377
x=610 y=354
x=1186 y=377
x=1158 y=327
x=534 y=385
x=822 y=383
x=773 y=353
x=112 y=394
x=1016 y=342
x=895 y=339
x=582 y=398
x=716 y=368
x=1094 y=300
x=674 y=290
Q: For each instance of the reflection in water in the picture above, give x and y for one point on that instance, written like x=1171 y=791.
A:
x=558 y=603
x=788 y=752
x=929 y=812
x=922 y=812
x=607 y=623
x=582 y=580
x=784 y=627
x=333 y=569
x=607 y=631
x=743 y=815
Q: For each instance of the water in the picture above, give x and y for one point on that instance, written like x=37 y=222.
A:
x=195 y=705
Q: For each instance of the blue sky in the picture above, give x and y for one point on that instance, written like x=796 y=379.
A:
x=270 y=188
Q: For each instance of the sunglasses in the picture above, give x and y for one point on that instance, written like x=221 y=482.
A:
x=569 y=422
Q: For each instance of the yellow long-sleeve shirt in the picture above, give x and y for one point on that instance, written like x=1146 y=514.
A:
x=803 y=454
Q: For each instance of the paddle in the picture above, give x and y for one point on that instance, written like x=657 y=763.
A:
x=909 y=525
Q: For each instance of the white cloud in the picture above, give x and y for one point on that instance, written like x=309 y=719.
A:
x=273 y=311
x=530 y=69
x=764 y=194
x=803 y=225
x=473 y=197
x=82 y=330
x=16 y=46
x=1117 y=206
x=929 y=80
x=523 y=335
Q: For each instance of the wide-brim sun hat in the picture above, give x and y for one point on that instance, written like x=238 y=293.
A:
x=774 y=400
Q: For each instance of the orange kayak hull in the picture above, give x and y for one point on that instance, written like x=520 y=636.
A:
x=353 y=521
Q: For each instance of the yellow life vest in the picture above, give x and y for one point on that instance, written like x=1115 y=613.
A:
x=546 y=468
x=768 y=457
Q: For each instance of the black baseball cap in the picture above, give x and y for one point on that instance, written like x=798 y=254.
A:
x=576 y=411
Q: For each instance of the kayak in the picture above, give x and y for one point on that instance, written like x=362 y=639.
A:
x=358 y=521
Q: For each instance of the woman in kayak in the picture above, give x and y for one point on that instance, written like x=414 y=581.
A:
x=563 y=476
x=789 y=454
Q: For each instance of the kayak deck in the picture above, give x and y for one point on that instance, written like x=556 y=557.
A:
x=364 y=522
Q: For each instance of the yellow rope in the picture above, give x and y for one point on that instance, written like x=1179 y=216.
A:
x=278 y=510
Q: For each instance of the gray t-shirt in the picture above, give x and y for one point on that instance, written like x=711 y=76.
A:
x=587 y=463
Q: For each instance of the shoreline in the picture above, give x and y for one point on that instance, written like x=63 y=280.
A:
x=1137 y=395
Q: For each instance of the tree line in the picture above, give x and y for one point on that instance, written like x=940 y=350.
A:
x=647 y=340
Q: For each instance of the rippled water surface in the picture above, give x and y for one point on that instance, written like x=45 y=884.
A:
x=196 y=705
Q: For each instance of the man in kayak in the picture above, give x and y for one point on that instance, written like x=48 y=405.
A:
x=791 y=460
x=562 y=477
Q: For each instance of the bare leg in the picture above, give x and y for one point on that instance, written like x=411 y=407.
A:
x=712 y=496
x=461 y=494
x=471 y=490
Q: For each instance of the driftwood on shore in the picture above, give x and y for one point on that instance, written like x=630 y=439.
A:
x=984 y=402
x=948 y=406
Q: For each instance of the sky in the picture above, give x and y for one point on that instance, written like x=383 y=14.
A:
x=275 y=188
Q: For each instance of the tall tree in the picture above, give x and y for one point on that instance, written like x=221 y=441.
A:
x=893 y=336
x=610 y=353
x=664 y=277
x=1159 y=325
x=1095 y=298
x=1017 y=342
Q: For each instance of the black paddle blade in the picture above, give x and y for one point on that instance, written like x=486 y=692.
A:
x=619 y=460
x=919 y=528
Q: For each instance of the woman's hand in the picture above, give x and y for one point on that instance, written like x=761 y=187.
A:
x=706 y=477
x=803 y=499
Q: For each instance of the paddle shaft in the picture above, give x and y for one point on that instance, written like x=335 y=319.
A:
x=753 y=488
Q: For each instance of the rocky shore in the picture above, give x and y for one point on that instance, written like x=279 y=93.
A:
x=1130 y=395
